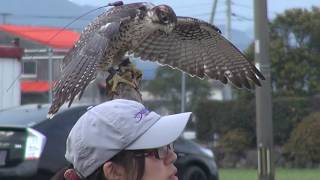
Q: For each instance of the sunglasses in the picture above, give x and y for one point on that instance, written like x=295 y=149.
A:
x=159 y=153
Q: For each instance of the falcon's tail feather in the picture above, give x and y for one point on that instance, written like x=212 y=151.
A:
x=76 y=76
x=258 y=73
x=236 y=80
x=254 y=78
x=245 y=81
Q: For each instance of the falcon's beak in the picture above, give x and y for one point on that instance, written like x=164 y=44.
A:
x=163 y=17
x=163 y=14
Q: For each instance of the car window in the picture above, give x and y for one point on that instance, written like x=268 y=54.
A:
x=24 y=116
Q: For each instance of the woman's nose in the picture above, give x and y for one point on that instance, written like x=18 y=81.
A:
x=171 y=158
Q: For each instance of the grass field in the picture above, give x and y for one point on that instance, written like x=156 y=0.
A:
x=280 y=174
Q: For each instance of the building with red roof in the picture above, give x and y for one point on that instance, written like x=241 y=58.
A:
x=37 y=46
x=47 y=36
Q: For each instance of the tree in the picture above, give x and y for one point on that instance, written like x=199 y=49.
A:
x=167 y=85
x=220 y=117
x=236 y=141
x=295 y=52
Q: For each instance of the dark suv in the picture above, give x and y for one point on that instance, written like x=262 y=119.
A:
x=33 y=147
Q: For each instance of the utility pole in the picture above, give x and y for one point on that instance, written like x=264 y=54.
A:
x=4 y=17
x=183 y=91
x=213 y=11
x=227 y=89
x=50 y=74
x=228 y=27
x=263 y=94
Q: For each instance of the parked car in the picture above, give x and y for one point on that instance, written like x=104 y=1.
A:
x=33 y=147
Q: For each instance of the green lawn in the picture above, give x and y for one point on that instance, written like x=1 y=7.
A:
x=280 y=174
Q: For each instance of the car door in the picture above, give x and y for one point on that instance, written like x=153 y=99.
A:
x=56 y=130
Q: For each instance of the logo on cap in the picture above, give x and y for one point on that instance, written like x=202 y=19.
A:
x=141 y=114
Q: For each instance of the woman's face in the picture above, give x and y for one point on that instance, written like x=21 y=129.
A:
x=160 y=169
x=158 y=166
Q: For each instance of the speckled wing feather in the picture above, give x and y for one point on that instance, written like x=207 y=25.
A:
x=82 y=68
x=90 y=53
x=115 y=14
x=199 y=49
x=79 y=72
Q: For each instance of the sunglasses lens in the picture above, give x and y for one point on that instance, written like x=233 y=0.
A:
x=171 y=146
x=164 y=150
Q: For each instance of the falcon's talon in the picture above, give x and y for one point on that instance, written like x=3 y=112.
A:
x=112 y=72
x=116 y=79
x=126 y=73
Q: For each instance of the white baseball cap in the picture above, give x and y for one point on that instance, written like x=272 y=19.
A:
x=113 y=126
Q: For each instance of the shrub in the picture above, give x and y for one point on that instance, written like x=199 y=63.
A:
x=235 y=141
x=287 y=113
x=304 y=142
x=221 y=117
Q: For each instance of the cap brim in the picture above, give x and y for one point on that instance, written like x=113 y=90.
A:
x=166 y=130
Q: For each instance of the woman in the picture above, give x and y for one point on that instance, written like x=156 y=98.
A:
x=122 y=140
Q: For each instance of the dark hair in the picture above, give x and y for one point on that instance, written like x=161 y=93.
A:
x=133 y=165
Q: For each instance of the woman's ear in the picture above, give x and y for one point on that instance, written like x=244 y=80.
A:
x=113 y=171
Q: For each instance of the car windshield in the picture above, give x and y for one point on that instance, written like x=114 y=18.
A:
x=23 y=116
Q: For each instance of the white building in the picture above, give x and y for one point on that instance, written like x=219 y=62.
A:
x=10 y=68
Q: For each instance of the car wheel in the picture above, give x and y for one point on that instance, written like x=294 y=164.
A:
x=194 y=173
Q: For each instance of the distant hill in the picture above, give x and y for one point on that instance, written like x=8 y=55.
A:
x=56 y=13
x=240 y=38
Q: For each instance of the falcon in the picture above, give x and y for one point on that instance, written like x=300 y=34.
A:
x=152 y=33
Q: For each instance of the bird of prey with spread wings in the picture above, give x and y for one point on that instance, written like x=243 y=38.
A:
x=152 y=33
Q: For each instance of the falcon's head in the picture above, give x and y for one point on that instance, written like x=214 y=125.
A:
x=164 y=17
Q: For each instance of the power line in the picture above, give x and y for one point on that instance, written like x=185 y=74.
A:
x=192 y=6
x=54 y=17
x=45 y=16
x=202 y=14
x=241 y=5
x=240 y=17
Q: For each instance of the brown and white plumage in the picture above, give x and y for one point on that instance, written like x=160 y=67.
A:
x=198 y=48
x=152 y=33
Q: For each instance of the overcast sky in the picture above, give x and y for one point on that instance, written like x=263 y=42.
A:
x=201 y=9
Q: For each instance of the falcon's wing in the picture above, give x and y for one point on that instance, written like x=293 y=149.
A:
x=114 y=14
x=81 y=69
x=79 y=65
x=199 y=49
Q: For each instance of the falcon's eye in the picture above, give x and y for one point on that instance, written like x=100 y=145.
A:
x=163 y=17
